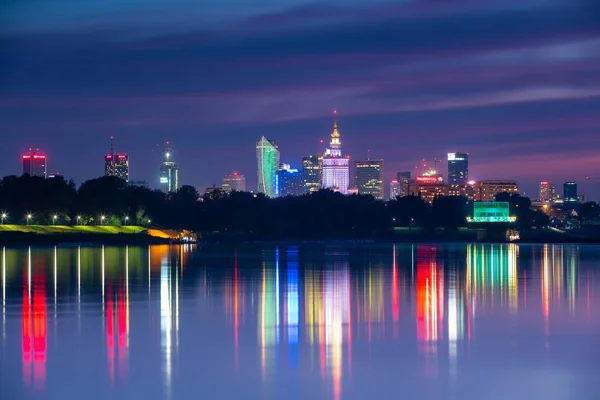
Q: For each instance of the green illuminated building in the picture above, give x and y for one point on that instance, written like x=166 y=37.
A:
x=267 y=157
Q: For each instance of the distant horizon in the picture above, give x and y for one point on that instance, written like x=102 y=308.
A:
x=512 y=83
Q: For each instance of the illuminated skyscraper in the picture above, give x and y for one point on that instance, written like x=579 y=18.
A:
x=547 y=192
x=288 y=182
x=116 y=164
x=570 y=192
x=458 y=168
x=169 y=172
x=267 y=157
x=394 y=189
x=233 y=182
x=368 y=177
x=34 y=164
x=312 y=173
x=404 y=179
x=335 y=166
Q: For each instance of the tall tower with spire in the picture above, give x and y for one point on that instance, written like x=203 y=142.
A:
x=336 y=170
x=169 y=172
x=116 y=164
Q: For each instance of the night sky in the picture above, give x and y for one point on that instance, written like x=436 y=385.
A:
x=515 y=83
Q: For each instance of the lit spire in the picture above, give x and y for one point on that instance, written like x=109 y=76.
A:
x=335 y=133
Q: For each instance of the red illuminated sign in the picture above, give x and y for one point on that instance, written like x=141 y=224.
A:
x=429 y=179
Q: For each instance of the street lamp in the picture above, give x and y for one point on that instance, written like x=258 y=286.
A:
x=78 y=219
x=3 y=216
x=54 y=218
x=149 y=222
x=102 y=217
x=126 y=219
x=28 y=217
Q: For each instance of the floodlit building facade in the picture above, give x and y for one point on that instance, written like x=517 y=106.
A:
x=336 y=171
x=289 y=182
x=368 y=177
x=267 y=157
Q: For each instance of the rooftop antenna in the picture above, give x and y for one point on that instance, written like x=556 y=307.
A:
x=112 y=145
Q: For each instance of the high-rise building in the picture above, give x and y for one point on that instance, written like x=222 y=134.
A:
x=458 y=168
x=428 y=187
x=570 y=192
x=169 y=172
x=233 y=182
x=336 y=171
x=267 y=157
x=34 y=164
x=489 y=189
x=404 y=178
x=288 y=182
x=547 y=192
x=394 y=189
x=116 y=164
x=469 y=190
x=368 y=177
x=312 y=173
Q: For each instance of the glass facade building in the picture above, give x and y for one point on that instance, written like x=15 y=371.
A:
x=34 y=164
x=368 y=177
x=570 y=192
x=169 y=172
x=233 y=182
x=289 y=182
x=458 y=168
x=267 y=157
x=312 y=173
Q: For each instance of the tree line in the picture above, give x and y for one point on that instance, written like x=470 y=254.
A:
x=323 y=214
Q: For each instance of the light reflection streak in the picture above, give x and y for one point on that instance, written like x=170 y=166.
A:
x=4 y=294
x=169 y=310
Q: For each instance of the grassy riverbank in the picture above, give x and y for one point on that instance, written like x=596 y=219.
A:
x=65 y=229
x=55 y=234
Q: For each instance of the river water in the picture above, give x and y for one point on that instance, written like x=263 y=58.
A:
x=457 y=321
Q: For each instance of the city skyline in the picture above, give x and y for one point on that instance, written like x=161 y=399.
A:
x=517 y=100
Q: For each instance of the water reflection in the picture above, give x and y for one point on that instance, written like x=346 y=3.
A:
x=304 y=311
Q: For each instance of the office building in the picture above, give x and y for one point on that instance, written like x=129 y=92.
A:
x=312 y=173
x=169 y=172
x=458 y=168
x=214 y=192
x=487 y=190
x=394 y=189
x=267 y=157
x=404 y=178
x=116 y=164
x=34 y=164
x=469 y=190
x=336 y=171
x=234 y=182
x=368 y=177
x=570 y=192
x=428 y=187
x=288 y=182
x=547 y=192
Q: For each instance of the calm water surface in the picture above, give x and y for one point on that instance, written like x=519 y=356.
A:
x=333 y=322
